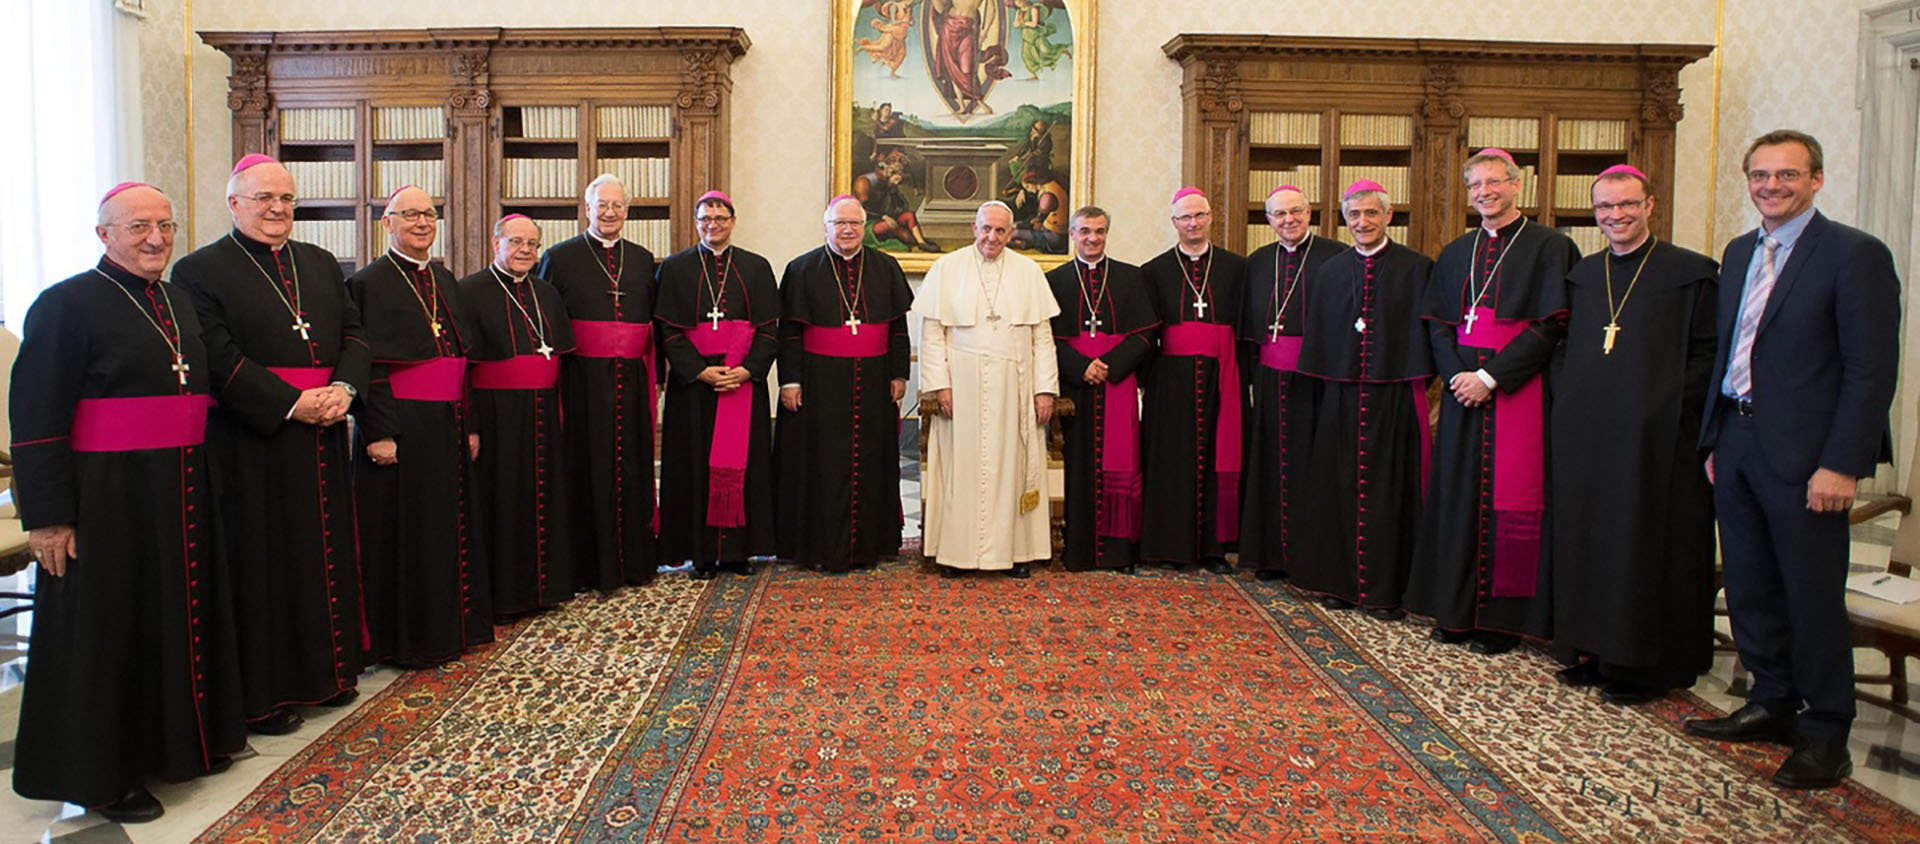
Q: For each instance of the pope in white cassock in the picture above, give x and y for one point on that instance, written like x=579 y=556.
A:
x=986 y=352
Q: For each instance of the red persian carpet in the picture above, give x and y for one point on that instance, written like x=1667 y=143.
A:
x=899 y=706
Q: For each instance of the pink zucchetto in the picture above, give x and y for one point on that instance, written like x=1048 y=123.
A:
x=1187 y=191
x=840 y=198
x=511 y=217
x=1364 y=186
x=714 y=196
x=396 y=192
x=1495 y=152
x=1293 y=188
x=121 y=188
x=1623 y=170
x=252 y=160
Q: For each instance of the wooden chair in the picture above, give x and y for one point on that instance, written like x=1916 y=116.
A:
x=14 y=554
x=1892 y=629
x=1056 y=441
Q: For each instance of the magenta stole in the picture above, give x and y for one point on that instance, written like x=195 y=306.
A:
x=1205 y=339
x=1519 y=464
x=1117 y=513
x=732 y=420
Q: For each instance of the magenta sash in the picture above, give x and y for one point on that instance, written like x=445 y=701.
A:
x=1281 y=354
x=1519 y=464
x=1205 y=339
x=732 y=422
x=840 y=341
x=520 y=372
x=633 y=341
x=1118 y=511
x=140 y=422
x=304 y=377
x=439 y=379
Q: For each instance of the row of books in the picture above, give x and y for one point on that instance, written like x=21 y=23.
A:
x=429 y=175
x=1397 y=234
x=644 y=177
x=1573 y=190
x=409 y=123
x=316 y=124
x=1591 y=135
x=1284 y=128
x=336 y=236
x=635 y=121
x=558 y=123
x=1376 y=130
x=1508 y=133
x=323 y=179
x=656 y=235
x=1397 y=180
x=1590 y=239
x=540 y=178
x=1306 y=177
x=1529 y=187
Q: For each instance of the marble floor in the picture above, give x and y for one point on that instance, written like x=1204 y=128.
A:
x=1886 y=747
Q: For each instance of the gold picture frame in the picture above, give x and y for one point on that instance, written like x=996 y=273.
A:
x=968 y=74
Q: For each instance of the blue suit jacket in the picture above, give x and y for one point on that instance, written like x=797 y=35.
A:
x=1825 y=356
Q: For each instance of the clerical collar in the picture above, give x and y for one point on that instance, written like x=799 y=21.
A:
x=123 y=275
x=605 y=242
x=1193 y=256
x=1637 y=249
x=259 y=246
x=1296 y=247
x=1506 y=230
x=1092 y=265
x=716 y=253
x=1376 y=250
x=847 y=257
x=418 y=266
x=502 y=272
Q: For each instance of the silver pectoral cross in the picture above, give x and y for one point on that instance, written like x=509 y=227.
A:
x=853 y=322
x=715 y=314
x=1093 y=326
x=1273 y=331
x=545 y=350
x=301 y=325
x=616 y=293
x=180 y=367
x=1200 y=308
x=1472 y=317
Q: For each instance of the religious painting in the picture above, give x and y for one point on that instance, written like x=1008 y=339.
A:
x=941 y=105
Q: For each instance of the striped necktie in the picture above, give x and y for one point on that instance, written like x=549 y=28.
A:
x=1753 y=305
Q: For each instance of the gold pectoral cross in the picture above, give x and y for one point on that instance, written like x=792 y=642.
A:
x=1612 y=330
x=853 y=322
x=301 y=325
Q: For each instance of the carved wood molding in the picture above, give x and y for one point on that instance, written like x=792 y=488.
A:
x=1182 y=48
x=1218 y=89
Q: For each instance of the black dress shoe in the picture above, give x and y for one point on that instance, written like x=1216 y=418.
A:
x=1815 y=763
x=703 y=574
x=744 y=568
x=950 y=571
x=1493 y=644
x=1019 y=572
x=1270 y=574
x=1333 y=603
x=1752 y=722
x=1449 y=637
x=1215 y=565
x=344 y=697
x=1387 y=613
x=138 y=805
x=281 y=722
x=1585 y=673
x=1623 y=693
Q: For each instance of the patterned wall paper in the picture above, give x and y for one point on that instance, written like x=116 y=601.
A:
x=779 y=164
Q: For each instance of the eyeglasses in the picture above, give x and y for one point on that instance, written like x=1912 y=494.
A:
x=846 y=224
x=142 y=228
x=1474 y=186
x=1189 y=219
x=1286 y=212
x=414 y=215
x=1622 y=205
x=609 y=206
x=1786 y=177
x=269 y=199
x=714 y=220
x=519 y=243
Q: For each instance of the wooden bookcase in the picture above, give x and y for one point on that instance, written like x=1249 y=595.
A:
x=1261 y=111
x=490 y=121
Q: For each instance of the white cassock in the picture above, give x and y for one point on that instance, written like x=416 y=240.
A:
x=986 y=336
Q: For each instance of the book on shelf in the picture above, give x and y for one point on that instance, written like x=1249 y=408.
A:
x=656 y=235
x=1284 y=128
x=1508 y=133
x=316 y=124
x=1397 y=180
x=1591 y=135
x=559 y=123
x=427 y=174
x=1260 y=235
x=1376 y=130
x=1573 y=190
x=409 y=123
x=635 y=121
x=554 y=231
x=1590 y=239
x=336 y=236
x=645 y=178
x=540 y=178
x=322 y=179
x=1306 y=177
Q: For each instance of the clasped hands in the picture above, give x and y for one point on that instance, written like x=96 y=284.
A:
x=724 y=379
x=1469 y=390
x=322 y=406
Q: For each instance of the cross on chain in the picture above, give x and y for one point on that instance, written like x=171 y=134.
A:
x=180 y=366
x=1093 y=325
x=1472 y=317
x=301 y=325
x=1200 y=308
x=715 y=314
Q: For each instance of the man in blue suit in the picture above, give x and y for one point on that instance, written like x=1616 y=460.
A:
x=1809 y=341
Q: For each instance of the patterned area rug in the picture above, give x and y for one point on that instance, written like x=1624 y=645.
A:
x=899 y=706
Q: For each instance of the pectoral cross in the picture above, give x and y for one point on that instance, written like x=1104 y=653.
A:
x=1093 y=326
x=715 y=314
x=1606 y=346
x=435 y=325
x=1273 y=331
x=301 y=325
x=180 y=366
x=853 y=322
x=1360 y=324
x=1200 y=308
x=616 y=293
x=1472 y=317
x=545 y=350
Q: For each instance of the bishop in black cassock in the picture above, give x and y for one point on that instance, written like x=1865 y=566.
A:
x=284 y=341
x=1195 y=404
x=718 y=318
x=844 y=358
x=1280 y=421
x=607 y=387
x=1495 y=311
x=428 y=595
x=1633 y=529
x=1103 y=336
x=134 y=658
x=1365 y=341
x=518 y=331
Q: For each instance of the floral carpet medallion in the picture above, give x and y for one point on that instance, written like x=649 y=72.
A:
x=900 y=706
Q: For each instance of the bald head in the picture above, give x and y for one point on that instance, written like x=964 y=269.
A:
x=411 y=223
x=261 y=200
x=1289 y=215
x=136 y=227
x=846 y=221
x=516 y=245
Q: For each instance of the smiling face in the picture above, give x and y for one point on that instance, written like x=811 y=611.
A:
x=137 y=228
x=1492 y=189
x=1289 y=216
x=1621 y=207
x=1367 y=216
x=1192 y=214
x=1089 y=236
x=846 y=225
x=412 y=238
x=607 y=209
x=261 y=201
x=516 y=247
x=1782 y=181
x=992 y=227
x=715 y=223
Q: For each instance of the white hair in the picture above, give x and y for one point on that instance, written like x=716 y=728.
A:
x=593 y=187
x=992 y=203
x=827 y=216
x=1386 y=203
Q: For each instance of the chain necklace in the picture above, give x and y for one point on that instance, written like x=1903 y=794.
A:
x=1487 y=283
x=1612 y=328
x=855 y=267
x=714 y=292
x=180 y=366
x=1279 y=264
x=992 y=292
x=538 y=328
x=432 y=311
x=613 y=279
x=300 y=322
x=1200 y=292
x=1092 y=301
